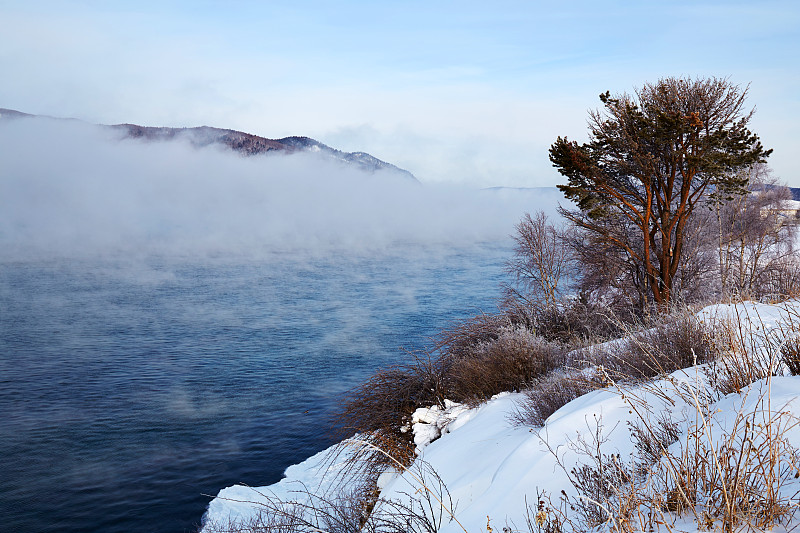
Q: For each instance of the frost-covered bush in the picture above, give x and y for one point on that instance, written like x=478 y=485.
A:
x=674 y=342
x=507 y=363
x=548 y=393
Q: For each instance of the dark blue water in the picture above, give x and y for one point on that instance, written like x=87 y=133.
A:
x=130 y=390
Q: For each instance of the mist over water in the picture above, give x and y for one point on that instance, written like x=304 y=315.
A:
x=71 y=189
x=176 y=320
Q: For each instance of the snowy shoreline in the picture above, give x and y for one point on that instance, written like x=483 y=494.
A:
x=494 y=469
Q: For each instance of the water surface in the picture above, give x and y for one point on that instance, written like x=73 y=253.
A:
x=132 y=389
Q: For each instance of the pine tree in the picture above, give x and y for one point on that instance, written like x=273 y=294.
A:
x=651 y=159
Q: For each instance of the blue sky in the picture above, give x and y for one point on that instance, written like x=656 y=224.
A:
x=471 y=92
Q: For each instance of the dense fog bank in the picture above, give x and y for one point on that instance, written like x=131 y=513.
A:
x=72 y=189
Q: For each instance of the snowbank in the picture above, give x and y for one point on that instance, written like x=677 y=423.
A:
x=493 y=468
x=240 y=503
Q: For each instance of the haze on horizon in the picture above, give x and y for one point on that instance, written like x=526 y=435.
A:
x=74 y=190
x=457 y=92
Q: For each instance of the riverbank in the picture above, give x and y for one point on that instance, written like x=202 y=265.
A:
x=497 y=472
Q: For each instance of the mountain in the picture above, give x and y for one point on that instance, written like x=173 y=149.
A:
x=10 y=113
x=244 y=143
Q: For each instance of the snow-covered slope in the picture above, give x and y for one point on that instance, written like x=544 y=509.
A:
x=495 y=470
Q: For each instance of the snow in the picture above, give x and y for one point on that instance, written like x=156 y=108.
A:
x=429 y=423
x=490 y=467
x=493 y=468
x=240 y=502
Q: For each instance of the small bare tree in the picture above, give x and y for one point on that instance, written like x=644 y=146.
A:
x=756 y=232
x=541 y=264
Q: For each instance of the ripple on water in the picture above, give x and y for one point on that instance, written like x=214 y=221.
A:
x=128 y=394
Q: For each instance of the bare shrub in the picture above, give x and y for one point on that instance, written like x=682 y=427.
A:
x=600 y=481
x=474 y=360
x=381 y=408
x=548 y=261
x=548 y=393
x=606 y=271
x=508 y=363
x=780 y=280
x=746 y=352
x=790 y=355
x=544 y=517
x=739 y=478
x=541 y=263
x=652 y=439
x=734 y=372
x=576 y=321
x=461 y=338
x=674 y=342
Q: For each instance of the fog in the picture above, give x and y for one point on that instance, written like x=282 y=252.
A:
x=73 y=189
x=136 y=359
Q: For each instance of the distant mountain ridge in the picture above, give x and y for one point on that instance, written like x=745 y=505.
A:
x=241 y=142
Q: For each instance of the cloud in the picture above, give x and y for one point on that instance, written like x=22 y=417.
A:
x=67 y=188
x=483 y=90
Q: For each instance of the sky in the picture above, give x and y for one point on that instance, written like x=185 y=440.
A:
x=456 y=92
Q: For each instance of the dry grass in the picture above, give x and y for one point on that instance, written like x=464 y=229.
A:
x=359 y=510
x=735 y=479
x=733 y=476
x=674 y=342
x=652 y=439
x=742 y=476
x=790 y=355
x=747 y=351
